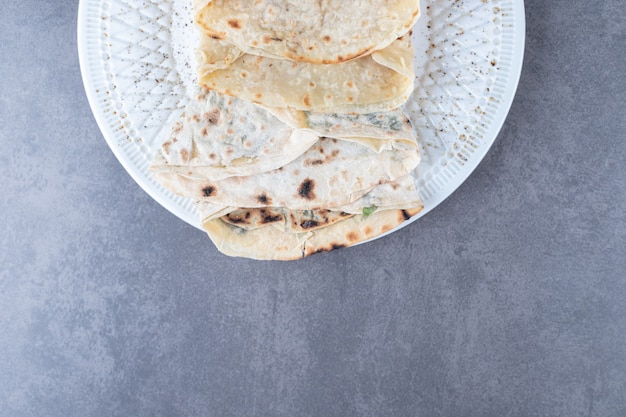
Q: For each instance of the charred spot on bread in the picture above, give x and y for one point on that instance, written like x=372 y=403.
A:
x=309 y=224
x=333 y=246
x=270 y=218
x=236 y=218
x=306 y=189
x=209 y=191
x=264 y=199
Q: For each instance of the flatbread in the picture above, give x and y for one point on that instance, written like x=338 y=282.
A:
x=312 y=31
x=219 y=136
x=269 y=243
x=294 y=221
x=329 y=174
x=397 y=194
x=378 y=82
x=297 y=144
x=376 y=130
x=279 y=233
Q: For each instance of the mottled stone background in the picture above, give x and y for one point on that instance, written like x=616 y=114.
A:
x=508 y=300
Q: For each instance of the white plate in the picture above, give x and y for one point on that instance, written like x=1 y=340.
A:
x=137 y=65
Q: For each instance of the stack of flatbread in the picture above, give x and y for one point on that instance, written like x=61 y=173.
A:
x=296 y=142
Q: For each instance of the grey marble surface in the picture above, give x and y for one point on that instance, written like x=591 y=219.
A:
x=509 y=299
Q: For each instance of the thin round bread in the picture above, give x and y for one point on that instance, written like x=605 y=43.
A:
x=397 y=194
x=378 y=82
x=294 y=221
x=269 y=243
x=312 y=31
x=220 y=136
x=330 y=173
x=376 y=130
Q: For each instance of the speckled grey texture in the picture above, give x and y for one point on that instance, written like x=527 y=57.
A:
x=508 y=300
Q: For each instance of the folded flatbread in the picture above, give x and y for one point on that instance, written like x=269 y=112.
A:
x=219 y=136
x=330 y=173
x=234 y=154
x=282 y=234
x=270 y=243
x=377 y=82
x=313 y=31
x=397 y=194
x=296 y=144
x=376 y=130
